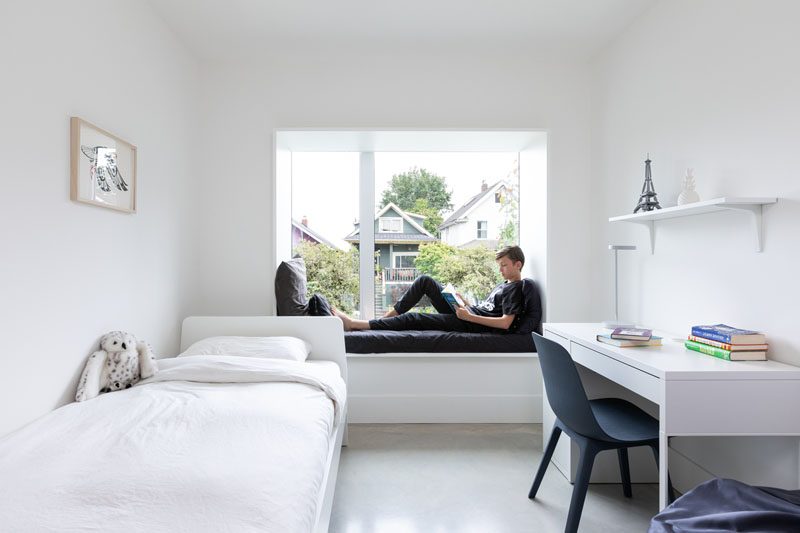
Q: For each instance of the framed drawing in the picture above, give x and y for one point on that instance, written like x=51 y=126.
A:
x=103 y=168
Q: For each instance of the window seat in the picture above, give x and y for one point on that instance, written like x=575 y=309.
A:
x=419 y=377
x=384 y=341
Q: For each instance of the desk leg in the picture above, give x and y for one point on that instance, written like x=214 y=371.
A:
x=663 y=471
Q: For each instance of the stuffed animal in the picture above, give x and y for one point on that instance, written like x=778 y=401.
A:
x=119 y=364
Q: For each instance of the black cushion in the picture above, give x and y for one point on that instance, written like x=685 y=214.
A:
x=318 y=305
x=530 y=320
x=387 y=341
x=290 y=288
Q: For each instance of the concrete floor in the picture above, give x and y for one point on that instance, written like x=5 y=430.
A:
x=467 y=478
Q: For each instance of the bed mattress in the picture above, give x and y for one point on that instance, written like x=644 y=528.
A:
x=386 y=341
x=212 y=443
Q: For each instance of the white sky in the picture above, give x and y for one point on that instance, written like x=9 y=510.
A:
x=325 y=184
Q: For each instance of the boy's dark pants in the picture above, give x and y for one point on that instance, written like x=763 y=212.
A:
x=445 y=320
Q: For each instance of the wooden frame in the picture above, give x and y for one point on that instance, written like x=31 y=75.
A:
x=111 y=184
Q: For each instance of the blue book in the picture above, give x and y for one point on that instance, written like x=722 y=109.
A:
x=723 y=333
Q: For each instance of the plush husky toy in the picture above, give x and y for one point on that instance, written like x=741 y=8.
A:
x=119 y=364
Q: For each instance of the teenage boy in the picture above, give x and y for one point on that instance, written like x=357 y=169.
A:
x=495 y=314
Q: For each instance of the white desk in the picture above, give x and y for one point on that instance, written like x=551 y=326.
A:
x=696 y=394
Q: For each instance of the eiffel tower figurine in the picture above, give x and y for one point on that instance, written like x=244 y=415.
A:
x=648 y=200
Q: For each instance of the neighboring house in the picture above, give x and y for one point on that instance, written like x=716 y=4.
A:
x=301 y=232
x=478 y=222
x=398 y=235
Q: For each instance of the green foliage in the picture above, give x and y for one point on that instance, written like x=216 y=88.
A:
x=332 y=273
x=433 y=216
x=509 y=206
x=432 y=258
x=418 y=184
x=472 y=270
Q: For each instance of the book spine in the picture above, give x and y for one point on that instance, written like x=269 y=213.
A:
x=723 y=345
x=708 y=350
x=713 y=335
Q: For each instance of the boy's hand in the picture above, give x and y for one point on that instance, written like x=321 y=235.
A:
x=463 y=313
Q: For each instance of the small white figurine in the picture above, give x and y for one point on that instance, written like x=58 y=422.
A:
x=688 y=195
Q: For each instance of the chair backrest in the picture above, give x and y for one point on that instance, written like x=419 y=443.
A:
x=530 y=320
x=565 y=391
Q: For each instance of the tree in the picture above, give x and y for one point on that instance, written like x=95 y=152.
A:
x=470 y=270
x=432 y=258
x=406 y=190
x=509 y=206
x=332 y=273
x=433 y=217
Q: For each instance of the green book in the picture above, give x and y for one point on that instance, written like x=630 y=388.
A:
x=725 y=354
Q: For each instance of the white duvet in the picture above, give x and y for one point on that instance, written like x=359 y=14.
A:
x=211 y=443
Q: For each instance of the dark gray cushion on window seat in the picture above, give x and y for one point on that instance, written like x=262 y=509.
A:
x=290 y=288
x=384 y=341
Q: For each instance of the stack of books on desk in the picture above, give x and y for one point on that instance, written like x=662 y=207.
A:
x=725 y=342
x=627 y=337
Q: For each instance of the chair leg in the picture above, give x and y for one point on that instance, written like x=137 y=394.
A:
x=548 y=454
x=588 y=453
x=670 y=490
x=625 y=471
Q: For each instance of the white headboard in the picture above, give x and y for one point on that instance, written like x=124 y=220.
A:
x=324 y=333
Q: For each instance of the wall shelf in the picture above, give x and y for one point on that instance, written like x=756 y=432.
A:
x=754 y=206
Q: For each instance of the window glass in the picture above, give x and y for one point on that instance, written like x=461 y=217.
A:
x=390 y=225
x=483 y=229
x=325 y=231
x=462 y=207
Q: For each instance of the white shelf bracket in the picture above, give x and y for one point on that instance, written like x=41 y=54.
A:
x=757 y=212
x=651 y=228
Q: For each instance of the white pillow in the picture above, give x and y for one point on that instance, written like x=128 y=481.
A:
x=290 y=348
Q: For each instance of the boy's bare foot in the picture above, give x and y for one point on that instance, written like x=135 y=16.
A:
x=346 y=320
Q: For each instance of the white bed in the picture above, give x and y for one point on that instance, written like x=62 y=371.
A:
x=212 y=443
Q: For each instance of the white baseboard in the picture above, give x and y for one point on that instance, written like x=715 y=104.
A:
x=409 y=409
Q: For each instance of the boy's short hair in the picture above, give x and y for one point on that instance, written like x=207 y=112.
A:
x=512 y=252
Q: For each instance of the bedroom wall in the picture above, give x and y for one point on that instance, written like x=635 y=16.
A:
x=244 y=103
x=711 y=85
x=71 y=272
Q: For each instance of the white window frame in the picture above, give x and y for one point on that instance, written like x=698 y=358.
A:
x=485 y=229
x=397 y=220
x=395 y=255
x=531 y=143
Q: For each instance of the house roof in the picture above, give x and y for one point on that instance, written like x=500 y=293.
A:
x=460 y=214
x=384 y=237
x=313 y=234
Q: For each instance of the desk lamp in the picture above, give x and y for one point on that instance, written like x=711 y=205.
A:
x=613 y=324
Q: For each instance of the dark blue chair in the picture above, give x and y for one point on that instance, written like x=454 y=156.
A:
x=594 y=425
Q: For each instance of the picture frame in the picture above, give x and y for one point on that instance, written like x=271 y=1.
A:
x=102 y=168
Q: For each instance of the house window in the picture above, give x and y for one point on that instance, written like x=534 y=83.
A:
x=483 y=229
x=390 y=225
x=405 y=260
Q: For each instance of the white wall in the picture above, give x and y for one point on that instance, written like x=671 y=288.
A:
x=71 y=272
x=711 y=85
x=243 y=104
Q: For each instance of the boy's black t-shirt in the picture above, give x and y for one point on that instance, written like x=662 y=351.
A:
x=505 y=299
